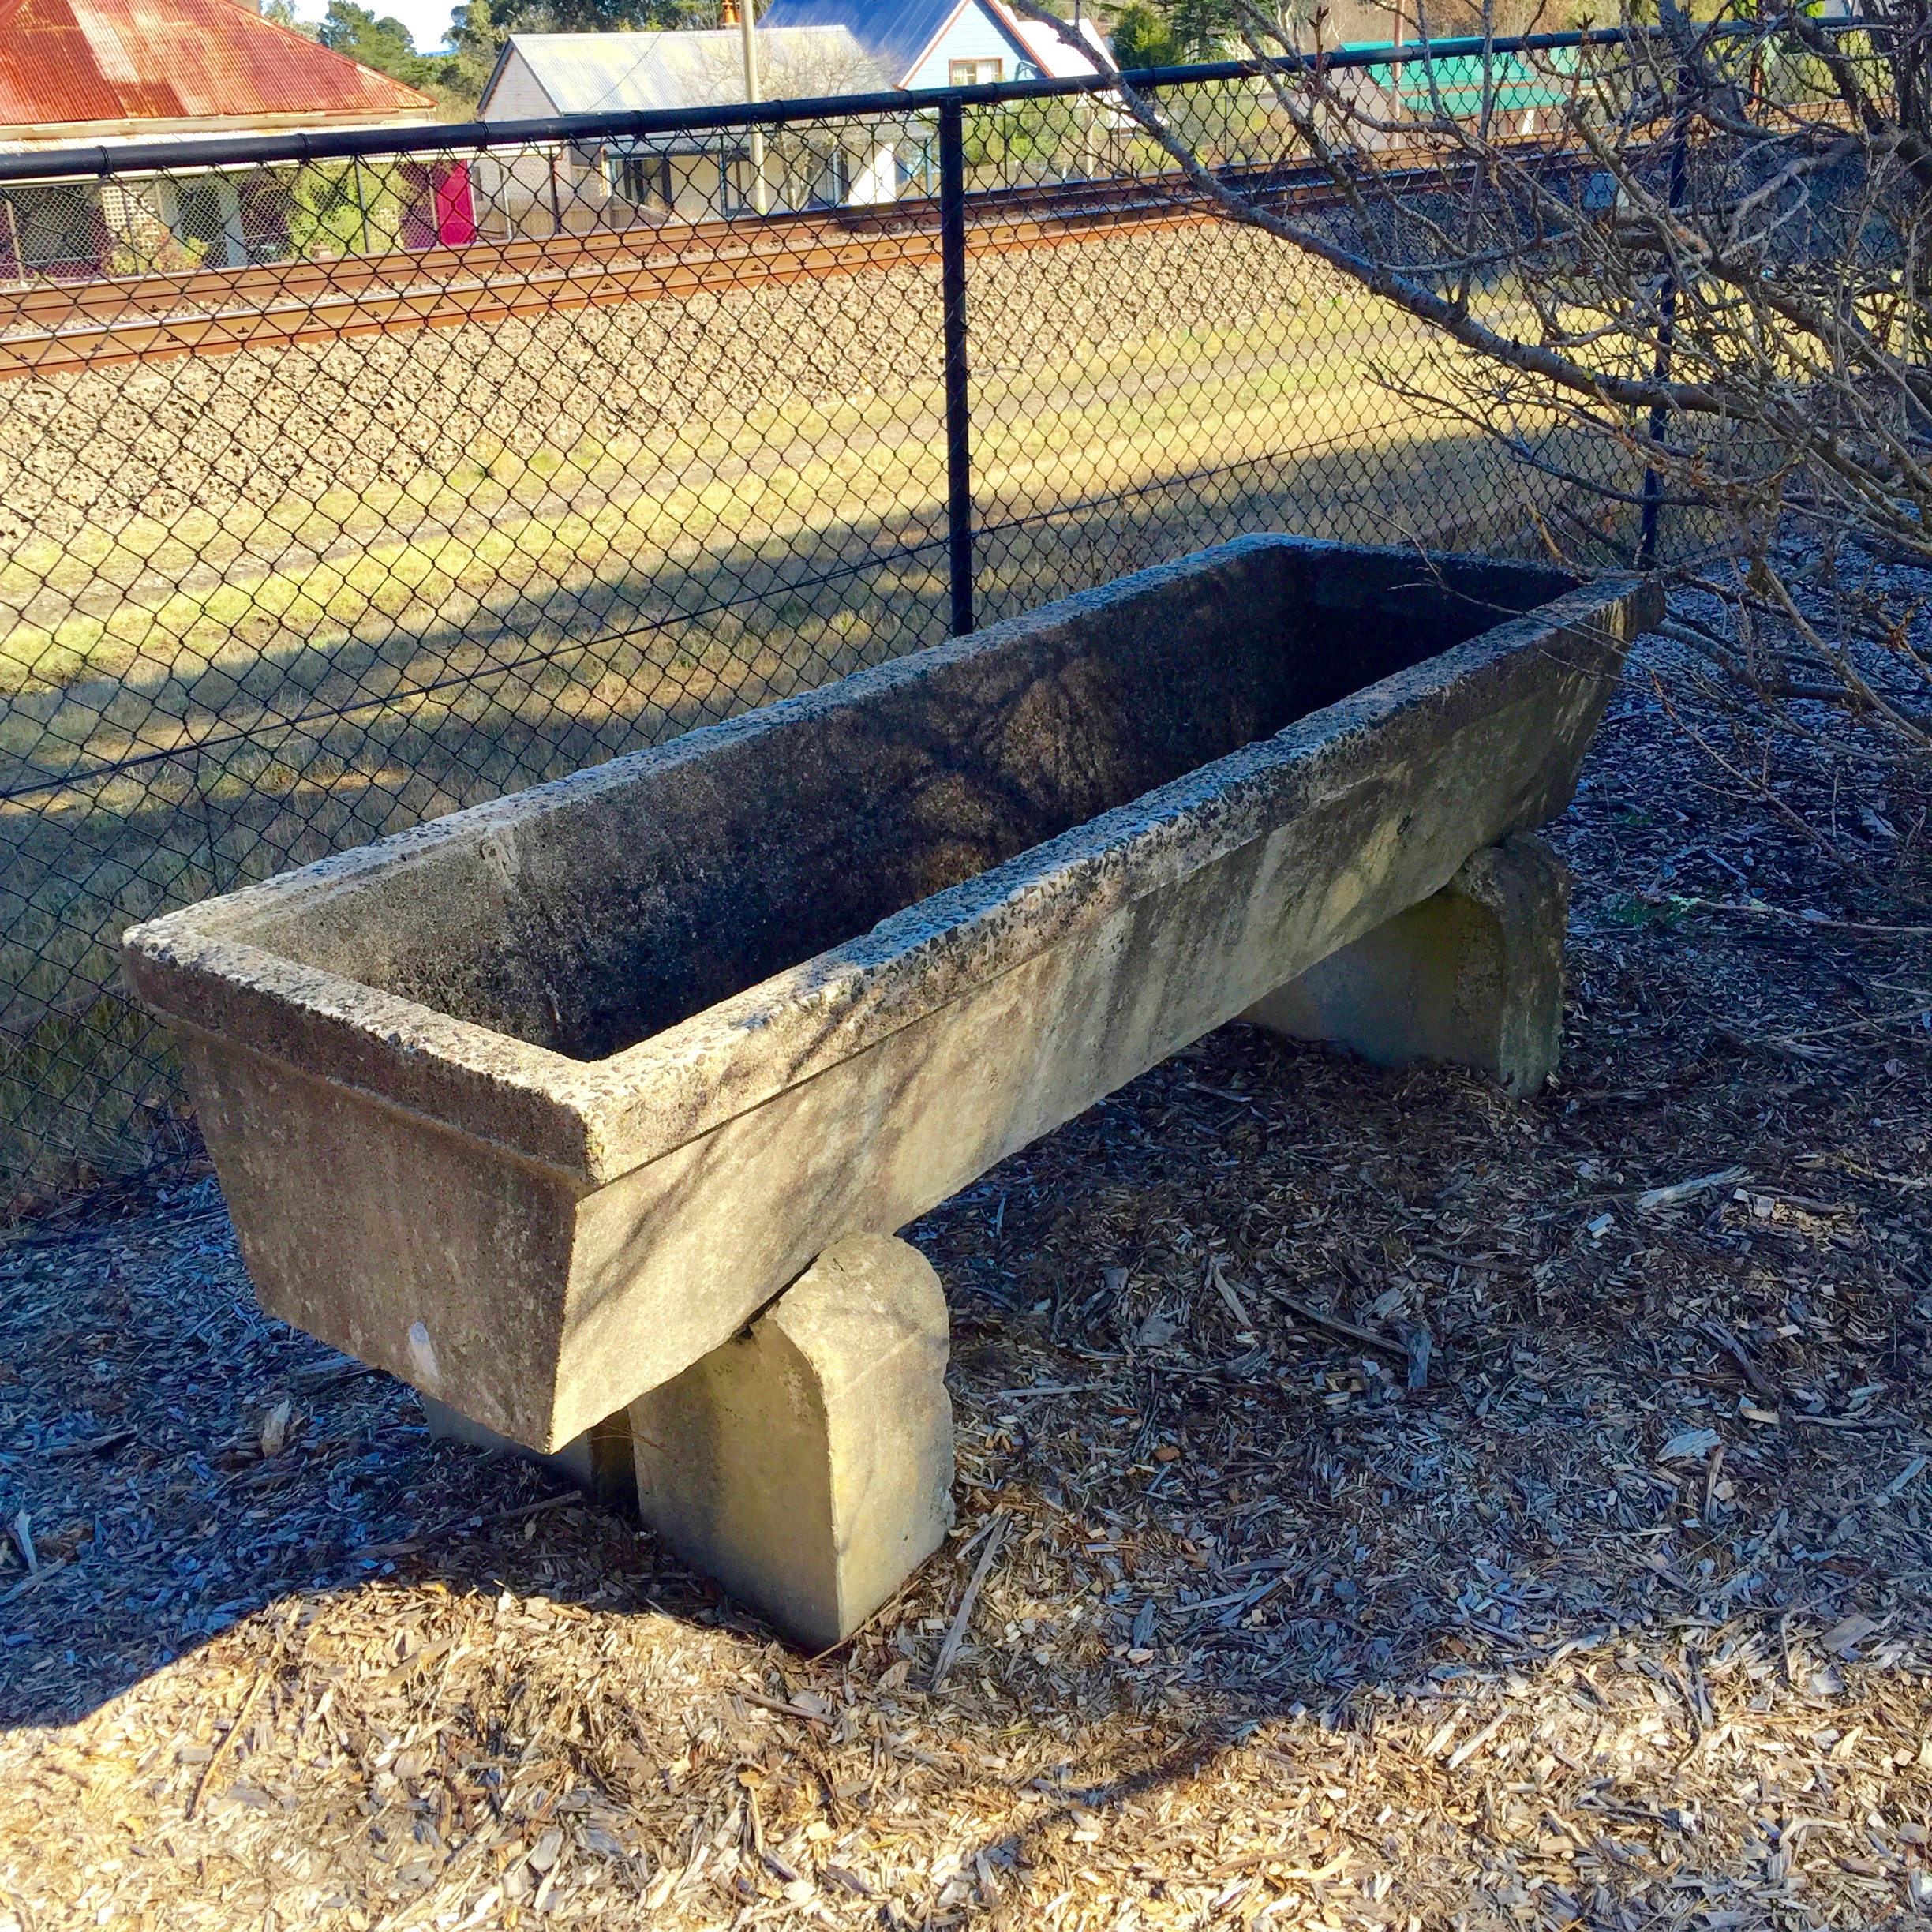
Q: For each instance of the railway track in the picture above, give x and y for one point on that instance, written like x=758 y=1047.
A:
x=56 y=328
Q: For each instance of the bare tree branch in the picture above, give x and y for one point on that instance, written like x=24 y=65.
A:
x=1700 y=292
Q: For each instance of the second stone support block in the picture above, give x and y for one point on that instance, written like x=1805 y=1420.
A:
x=1474 y=975
x=807 y=1463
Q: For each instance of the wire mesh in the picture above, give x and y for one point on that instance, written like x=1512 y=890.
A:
x=341 y=492
x=1175 y=379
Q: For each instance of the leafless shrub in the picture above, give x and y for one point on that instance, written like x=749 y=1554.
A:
x=1705 y=245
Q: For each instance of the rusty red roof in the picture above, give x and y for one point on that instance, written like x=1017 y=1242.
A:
x=102 y=63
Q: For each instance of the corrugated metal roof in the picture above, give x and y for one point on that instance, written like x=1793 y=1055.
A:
x=620 y=73
x=900 y=34
x=96 y=62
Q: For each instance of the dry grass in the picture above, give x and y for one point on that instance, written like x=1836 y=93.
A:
x=258 y=607
x=1621 y=1619
x=200 y=511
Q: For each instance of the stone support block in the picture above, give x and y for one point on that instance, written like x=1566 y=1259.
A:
x=1473 y=975
x=807 y=1464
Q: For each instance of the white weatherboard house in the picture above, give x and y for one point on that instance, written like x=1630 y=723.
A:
x=692 y=175
x=941 y=43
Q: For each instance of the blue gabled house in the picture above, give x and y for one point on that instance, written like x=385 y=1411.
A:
x=939 y=43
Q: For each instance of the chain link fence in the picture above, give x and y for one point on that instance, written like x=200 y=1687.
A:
x=346 y=480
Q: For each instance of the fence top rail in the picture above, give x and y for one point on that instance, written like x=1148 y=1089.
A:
x=133 y=158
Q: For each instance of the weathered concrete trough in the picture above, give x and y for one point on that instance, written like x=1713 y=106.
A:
x=537 y=1105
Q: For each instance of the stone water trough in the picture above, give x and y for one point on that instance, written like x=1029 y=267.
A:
x=591 y=1112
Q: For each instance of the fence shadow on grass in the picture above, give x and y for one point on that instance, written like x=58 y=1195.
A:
x=135 y=796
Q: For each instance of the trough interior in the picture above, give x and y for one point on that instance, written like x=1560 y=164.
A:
x=609 y=916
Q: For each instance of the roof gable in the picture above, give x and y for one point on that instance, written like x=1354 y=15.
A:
x=1051 y=53
x=94 y=61
x=898 y=34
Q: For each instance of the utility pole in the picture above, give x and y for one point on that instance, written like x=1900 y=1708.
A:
x=761 y=200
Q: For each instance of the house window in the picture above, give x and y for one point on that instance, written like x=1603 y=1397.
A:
x=639 y=176
x=207 y=221
x=833 y=183
x=56 y=232
x=974 y=73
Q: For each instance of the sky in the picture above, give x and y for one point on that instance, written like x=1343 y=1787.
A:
x=427 y=20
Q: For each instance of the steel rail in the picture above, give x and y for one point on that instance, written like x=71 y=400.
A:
x=49 y=329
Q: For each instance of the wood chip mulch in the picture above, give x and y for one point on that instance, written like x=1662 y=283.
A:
x=1408 y=1507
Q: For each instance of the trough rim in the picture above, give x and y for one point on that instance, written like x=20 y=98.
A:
x=590 y=1122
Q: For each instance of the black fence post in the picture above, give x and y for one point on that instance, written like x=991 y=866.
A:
x=958 y=404
x=1667 y=319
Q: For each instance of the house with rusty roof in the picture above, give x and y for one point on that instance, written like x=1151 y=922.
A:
x=107 y=72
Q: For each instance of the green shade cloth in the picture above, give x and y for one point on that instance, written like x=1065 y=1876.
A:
x=1514 y=83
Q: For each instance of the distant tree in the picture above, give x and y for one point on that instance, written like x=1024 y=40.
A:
x=1205 y=29
x=607 y=16
x=479 y=28
x=477 y=40
x=385 y=45
x=1164 y=33
x=1143 y=37
x=282 y=13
